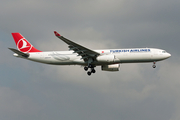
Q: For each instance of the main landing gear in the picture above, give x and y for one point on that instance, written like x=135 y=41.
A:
x=91 y=71
x=154 y=64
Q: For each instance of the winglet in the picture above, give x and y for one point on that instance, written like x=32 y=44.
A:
x=56 y=34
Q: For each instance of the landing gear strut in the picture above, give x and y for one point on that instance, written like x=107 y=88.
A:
x=92 y=70
x=154 y=64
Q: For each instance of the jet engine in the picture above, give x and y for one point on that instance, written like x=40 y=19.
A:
x=113 y=67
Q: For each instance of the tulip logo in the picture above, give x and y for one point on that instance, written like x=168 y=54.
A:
x=23 y=45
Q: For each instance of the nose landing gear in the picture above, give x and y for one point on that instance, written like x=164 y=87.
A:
x=154 y=64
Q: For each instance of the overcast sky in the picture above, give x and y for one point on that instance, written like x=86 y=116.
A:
x=34 y=91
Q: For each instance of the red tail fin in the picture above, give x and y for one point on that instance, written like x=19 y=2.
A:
x=22 y=44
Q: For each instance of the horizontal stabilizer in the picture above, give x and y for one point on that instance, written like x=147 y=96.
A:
x=26 y=55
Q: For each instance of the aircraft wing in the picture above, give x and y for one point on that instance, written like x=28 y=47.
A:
x=84 y=52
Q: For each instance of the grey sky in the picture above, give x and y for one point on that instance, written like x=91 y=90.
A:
x=30 y=90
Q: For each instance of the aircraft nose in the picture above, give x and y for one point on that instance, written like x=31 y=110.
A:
x=168 y=55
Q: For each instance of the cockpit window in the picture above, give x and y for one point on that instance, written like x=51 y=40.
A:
x=164 y=51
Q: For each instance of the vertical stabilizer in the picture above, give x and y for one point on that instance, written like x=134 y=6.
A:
x=22 y=44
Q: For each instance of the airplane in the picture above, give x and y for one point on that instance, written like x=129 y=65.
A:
x=108 y=59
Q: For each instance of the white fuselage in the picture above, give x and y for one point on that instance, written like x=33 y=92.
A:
x=108 y=56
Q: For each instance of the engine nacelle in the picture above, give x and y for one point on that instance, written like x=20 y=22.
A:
x=113 y=67
x=105 y=58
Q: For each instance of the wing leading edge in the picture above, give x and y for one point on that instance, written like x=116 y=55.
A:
x=84 y=52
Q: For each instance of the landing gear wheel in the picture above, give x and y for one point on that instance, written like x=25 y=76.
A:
x=93 y=70
x=89 y=73
x=154 y=64
x=85 y=68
